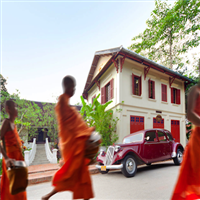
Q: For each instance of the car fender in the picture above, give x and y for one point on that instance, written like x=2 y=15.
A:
x=123 y=153
x=175 y=148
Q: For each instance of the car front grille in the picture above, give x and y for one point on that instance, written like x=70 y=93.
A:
x=109 y=155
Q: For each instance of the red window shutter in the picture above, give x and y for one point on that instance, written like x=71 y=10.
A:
x=172 y=95
x=103 y=95
x=165 y=93
x=133 y=85
x=112 y=88
x=140 y=85
x=178 y=99
x=153 y=82
x=149 y=82
x=162 y=91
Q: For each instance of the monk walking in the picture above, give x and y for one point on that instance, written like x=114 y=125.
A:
x=13 y=151
x=188 y=184
x=73 y=133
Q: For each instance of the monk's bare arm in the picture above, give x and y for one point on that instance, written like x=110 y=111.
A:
x=4 y=128
x=191 y=115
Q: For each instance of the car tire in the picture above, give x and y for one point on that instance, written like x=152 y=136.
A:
x=129 y=166
x=103 y=172
x=179 y=157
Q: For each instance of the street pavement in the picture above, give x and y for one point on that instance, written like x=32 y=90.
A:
x=155 y=182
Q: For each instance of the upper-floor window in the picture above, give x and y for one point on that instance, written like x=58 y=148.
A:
x=175 y=96
x=107 y=92
x=151 y=89
x=136 y=85
x=164 y=92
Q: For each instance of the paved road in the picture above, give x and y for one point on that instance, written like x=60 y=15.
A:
x=154 y=182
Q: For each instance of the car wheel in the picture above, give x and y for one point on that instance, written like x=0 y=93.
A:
x=103 y=172
x=179 y=157
x=129 y=166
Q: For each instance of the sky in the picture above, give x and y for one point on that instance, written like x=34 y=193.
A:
x=43 y=41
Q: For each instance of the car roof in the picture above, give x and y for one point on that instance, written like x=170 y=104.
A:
x=144 y=131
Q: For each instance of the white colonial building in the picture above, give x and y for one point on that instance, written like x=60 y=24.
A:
x=141 y=88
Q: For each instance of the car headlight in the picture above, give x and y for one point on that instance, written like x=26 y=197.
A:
x=117 y=148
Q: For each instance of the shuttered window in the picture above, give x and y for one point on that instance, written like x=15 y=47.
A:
x=164 y=92
x=175 y=96
x=107 y=92
x=151 y=89
x=136 y=85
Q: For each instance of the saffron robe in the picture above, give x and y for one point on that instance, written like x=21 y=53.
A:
x=13 y=150
x=73 y=133
x=188 y=184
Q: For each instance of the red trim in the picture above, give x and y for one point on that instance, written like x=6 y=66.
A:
x=122 y=63
x=171 y=80
x=140 y=86
x=112 y=88
x=149 y=82
x=85 y=96
x=146 y=70
x=98 y=84
x=172 y=95
x=164 y=92
x=115 y=63
x=153 y=89
x=178 y=95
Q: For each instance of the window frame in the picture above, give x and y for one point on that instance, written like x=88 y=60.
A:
x=139 y=84
x=151 y=89
x=175 y=99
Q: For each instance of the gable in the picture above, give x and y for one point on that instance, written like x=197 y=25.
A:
x=100 y=65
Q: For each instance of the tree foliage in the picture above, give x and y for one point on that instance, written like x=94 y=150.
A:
x=3 y=83
x=95 y=114
x=49 y=121
x=29 y=113
x=171 y=32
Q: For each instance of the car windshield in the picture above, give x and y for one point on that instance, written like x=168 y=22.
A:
x=134 y=138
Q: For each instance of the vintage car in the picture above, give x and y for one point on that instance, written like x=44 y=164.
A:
x=142 y=147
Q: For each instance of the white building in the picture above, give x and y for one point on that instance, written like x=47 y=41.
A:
x=141 y=88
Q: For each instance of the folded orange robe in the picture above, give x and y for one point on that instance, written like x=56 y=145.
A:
x=13 y=151
x=73 y=133
x=188 y=184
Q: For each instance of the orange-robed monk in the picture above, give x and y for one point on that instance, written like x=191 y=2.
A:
x=13 y=151
x=188 y=184
x=73 y=133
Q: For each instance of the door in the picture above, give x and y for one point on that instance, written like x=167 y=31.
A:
x=40 y=137
x=150 y=149
x=157 y=124
x=136 y=123
x=175 y=130
x=164 y=147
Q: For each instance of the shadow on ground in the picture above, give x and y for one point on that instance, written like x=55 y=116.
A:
x=146 y=168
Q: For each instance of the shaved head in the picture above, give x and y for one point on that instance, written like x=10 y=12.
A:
x=69 y=84
x=10 y=103
x=68 y=81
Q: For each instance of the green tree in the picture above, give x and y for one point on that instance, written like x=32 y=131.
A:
x=3 y=83
x=96 y=115
x=171 y=32
x=29 y=113
x=49 y=121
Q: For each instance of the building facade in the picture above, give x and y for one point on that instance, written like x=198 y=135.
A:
x=141 y=89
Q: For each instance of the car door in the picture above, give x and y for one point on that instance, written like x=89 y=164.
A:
x=150 y=149
x=163 y=145
x=171 y=142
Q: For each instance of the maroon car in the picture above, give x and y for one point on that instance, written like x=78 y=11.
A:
x=142 y=147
